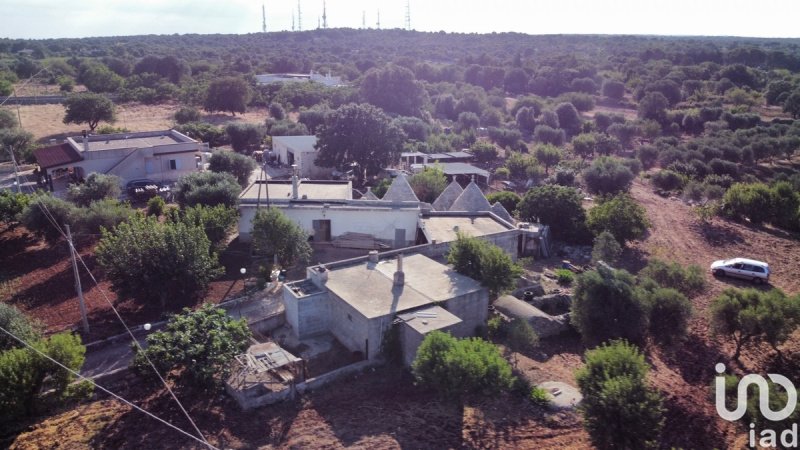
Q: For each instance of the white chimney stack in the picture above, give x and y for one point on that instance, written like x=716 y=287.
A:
x=399 y=276
x=85 y=141
x=295 y=183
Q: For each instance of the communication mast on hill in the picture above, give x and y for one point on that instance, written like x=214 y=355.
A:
x=299 y=17
x=324 y=15
x=408 y=14
x=363 y=19
x=292 y=20
x=378 y=24
x=263 y=19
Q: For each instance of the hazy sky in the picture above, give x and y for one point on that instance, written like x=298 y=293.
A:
x=81 y=18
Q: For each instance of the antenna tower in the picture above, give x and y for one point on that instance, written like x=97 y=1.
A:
x=408 y=14
x=363 y=19
x=324 y=15
x=292 y=20
x=378 y=24
x=299 y=17
x=263 y=19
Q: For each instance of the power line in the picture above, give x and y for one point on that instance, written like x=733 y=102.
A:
x=107 y=391
x=53 y=222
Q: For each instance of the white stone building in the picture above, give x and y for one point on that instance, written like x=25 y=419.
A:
x=299 y=151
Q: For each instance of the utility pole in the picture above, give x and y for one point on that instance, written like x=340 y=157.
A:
x=16 y=169
x=77 y=280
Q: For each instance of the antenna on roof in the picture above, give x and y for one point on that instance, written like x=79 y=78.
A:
x=263 y=19
x=408 y=14
x=324 y=15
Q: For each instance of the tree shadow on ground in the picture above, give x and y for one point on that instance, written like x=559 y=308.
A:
x=685 y=428
x=694 y=359
x=387 y=403
x=717 y=234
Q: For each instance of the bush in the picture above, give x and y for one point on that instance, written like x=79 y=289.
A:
x=101 y=214
x=18 y=324
x=455 y=367
x=155 y=206
x=753 y=201
x=670 y=312
x=187 y=114
x=564 y=276
x=508 y=199
x=560 y=208
x=502 y=173
x=608 y=176
x=59 y=211
x=539 y=396
x=207 y=188
x=239 y=166
x=484 y=151
x=428 y=184
x=688 y=280
x=245 y=137
x=276 y=235
x=216 y=221
x=484 y=262
x=622 y=216
x=521 y=336
x=203 y=342
x=607 y=306
x=619 y=409
x=12 y=204
x=606 y=249
x=276 y=111
x=548 y=135
x=96 y=187
x=667 y=180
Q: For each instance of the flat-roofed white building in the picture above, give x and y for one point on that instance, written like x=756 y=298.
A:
x=162 y=156
x=299 y=151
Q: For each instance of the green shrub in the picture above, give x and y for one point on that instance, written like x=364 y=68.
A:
x=502 y=173
x=455 y=367
x=509 y=200
x=484 y=262
x=619 y=409
x=564 y=276
x=622 y=216
x=155 y=206
x=12 y=204
x=20 y=325
x=207 y=188
x=187 y=114
x=496 y=327
x=667 y=180
x=36 y=221
x=606 y=249
x=105 y=213
x=97 y=187
x=670 y=312
x=608 y=176
x=539 y=396
x=688 y=280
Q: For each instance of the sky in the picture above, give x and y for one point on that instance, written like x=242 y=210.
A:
x=41 y=19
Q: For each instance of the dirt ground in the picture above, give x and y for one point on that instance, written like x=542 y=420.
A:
x=46 y=121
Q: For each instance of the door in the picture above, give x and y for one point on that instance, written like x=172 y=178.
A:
x=399 y=237
x=322 y=230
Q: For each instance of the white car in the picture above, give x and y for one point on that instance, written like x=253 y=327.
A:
x=748 y=269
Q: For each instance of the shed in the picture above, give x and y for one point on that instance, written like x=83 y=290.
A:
x=416 y=325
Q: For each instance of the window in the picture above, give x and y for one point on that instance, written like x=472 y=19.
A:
x=173 y=164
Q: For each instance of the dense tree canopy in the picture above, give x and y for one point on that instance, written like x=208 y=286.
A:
x=361 y=134
x=157 y=262
x=88 y=108
x=276 y=235
x=559 y=207
x=227 y=94
x=394 y=89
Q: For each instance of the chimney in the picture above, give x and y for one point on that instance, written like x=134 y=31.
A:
x=373 y=256
x=85 y=141
x=295 y=183
x=399 y=276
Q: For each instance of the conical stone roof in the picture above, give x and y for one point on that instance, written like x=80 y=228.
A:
x=471 y=200
x=370 y=195
x=500 y=211
x=448 y=196
x=400 y=191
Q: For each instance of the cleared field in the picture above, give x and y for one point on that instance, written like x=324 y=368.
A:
x=46 y=121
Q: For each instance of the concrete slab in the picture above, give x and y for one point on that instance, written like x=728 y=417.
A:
x=562 y=395
x=444 y=229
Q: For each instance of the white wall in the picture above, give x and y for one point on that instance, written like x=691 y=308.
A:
x=379 y=222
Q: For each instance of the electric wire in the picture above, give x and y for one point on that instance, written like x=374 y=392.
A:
x=53 y=222
x=107 y=391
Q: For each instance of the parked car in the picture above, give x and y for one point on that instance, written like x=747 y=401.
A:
x=747 y=269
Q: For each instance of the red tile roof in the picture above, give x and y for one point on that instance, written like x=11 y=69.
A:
x=56 y=155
